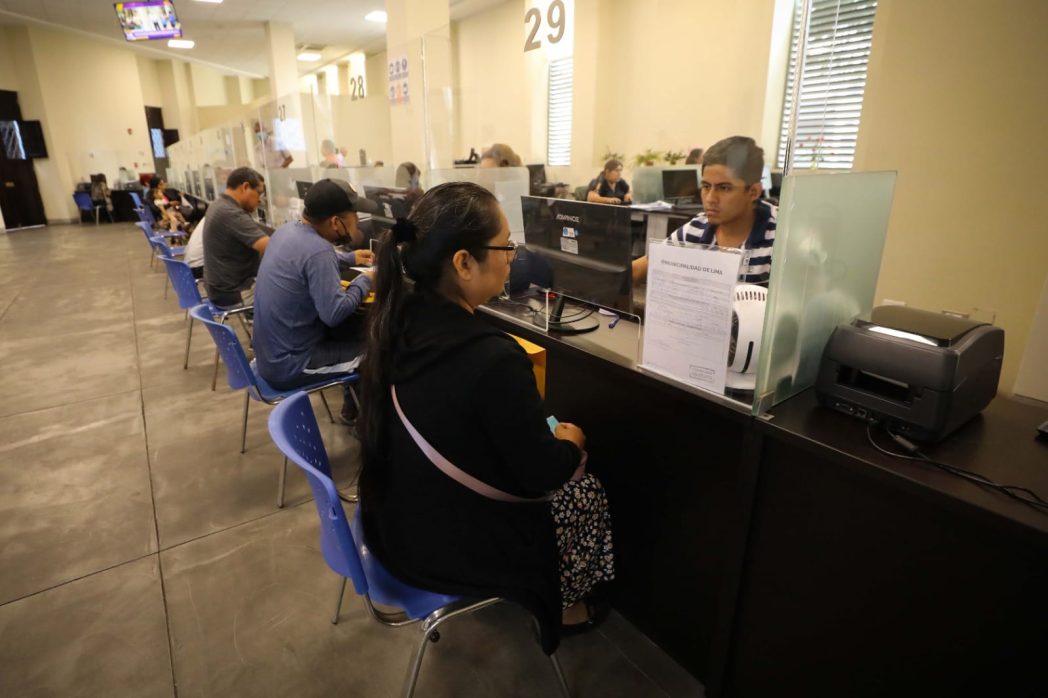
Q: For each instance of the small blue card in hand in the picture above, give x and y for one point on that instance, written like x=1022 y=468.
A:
x=552 y=421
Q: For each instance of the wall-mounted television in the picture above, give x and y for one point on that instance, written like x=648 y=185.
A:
x=152 y=19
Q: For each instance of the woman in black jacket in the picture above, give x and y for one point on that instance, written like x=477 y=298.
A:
x=468 y=391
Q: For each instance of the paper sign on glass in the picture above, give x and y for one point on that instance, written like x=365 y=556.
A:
x=687 y=325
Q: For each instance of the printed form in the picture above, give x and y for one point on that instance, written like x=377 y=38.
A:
x=687 y=324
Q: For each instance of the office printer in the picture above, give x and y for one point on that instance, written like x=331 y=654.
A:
x=920 y=373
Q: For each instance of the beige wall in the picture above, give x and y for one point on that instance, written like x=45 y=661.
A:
x=8 y=77
x=639 y=81
x=956 y=101
x=149 y=78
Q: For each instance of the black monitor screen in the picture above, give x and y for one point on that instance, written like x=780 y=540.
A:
x=395 y=201
x=680 y=184
x=586 y=246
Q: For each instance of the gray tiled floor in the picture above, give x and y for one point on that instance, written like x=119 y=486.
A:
x=142 y=555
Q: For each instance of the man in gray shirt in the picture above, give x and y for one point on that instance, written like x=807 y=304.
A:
x=235 y=241
x=304 y=319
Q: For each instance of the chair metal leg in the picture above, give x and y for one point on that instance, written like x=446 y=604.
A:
x=326 y=406
x=560 y=676
x=353 y=394
x=416 y=664
x=244 y=324
x=214 y=376
x=280 y=487
x=243 y=434
x=338 y=602
x=189 y=338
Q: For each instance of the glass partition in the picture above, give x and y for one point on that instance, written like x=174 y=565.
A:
x=508 y=184
x=647 y=182
x=828 y=245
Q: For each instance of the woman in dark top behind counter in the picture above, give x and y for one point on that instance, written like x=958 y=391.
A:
x=609 y=187
x=469 y=390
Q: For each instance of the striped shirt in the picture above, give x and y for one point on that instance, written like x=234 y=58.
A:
x=756 y=263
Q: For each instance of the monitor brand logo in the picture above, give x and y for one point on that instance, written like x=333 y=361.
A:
x=573 y=219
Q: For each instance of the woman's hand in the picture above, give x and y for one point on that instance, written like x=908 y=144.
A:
x=363 y=258
x=628 y=198
x=569 y=432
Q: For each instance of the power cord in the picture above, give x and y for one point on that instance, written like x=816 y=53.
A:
x=1016 y=492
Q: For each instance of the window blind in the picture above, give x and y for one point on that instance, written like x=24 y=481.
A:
x=558 y=124
x=833 y=83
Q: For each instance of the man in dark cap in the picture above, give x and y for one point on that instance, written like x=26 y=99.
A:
x=303 y=317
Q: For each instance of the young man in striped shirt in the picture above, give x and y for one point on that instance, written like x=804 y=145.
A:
x=733 y=213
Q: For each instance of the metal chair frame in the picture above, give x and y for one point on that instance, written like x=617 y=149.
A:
x=343 y=547
x=241 y=373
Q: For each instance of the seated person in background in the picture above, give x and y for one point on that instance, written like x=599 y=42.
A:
x=167 y=212
x=734 y=215
x=609 y=187
x=331 y=156
x=305 y=324
x=194 y=255
x=267 y=152
x=235 y=241
x=469 y=390
x=500 y=155
x=694 y=157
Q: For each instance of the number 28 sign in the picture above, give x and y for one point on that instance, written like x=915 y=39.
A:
x=549 y=26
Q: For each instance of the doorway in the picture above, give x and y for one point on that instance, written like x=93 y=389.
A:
x=20 y=199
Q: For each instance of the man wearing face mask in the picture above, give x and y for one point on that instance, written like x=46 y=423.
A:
x=305 y=327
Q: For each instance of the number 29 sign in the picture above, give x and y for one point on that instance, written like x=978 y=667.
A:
x=556 y=24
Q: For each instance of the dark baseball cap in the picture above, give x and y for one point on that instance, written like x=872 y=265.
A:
x=330 y=197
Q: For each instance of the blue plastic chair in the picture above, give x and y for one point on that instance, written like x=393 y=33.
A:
x=83 y=201
x=185 y=285
x=241 y=373
x=293 y=427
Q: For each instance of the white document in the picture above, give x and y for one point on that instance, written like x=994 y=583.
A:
x=659 y=205
x=687 y=323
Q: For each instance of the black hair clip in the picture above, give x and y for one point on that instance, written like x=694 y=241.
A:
x=404 y=231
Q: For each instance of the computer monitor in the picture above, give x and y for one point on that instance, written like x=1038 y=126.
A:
x=395 y=201
x=680 y=186
x=303 y=187
x=584 y=249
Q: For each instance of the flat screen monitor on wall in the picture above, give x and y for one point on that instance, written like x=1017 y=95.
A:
x=153 y=19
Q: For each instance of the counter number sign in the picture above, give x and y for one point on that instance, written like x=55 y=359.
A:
x=556 y=18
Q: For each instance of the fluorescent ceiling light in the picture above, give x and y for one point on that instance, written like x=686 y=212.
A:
x=309 y=57
x=180 y=43
x=377 y=16
x=215 y=2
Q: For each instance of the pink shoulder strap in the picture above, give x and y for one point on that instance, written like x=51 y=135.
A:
x=453 y=471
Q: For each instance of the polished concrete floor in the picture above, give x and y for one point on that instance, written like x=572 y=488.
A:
x=142 y=555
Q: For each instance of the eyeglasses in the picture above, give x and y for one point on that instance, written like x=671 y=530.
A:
x=721 y=187
x=511 y=248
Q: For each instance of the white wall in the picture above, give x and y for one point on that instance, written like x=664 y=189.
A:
x=956 y=101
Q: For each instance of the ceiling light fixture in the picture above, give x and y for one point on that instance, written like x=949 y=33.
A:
x=378 y=16
x=309 y=57
x=180 y=43
x=213 y=2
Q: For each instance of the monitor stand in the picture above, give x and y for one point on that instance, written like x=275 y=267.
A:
x=578 y=320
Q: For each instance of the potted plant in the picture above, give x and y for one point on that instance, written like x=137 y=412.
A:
x=672 y=157
x=610 y=154
x=646 y=159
